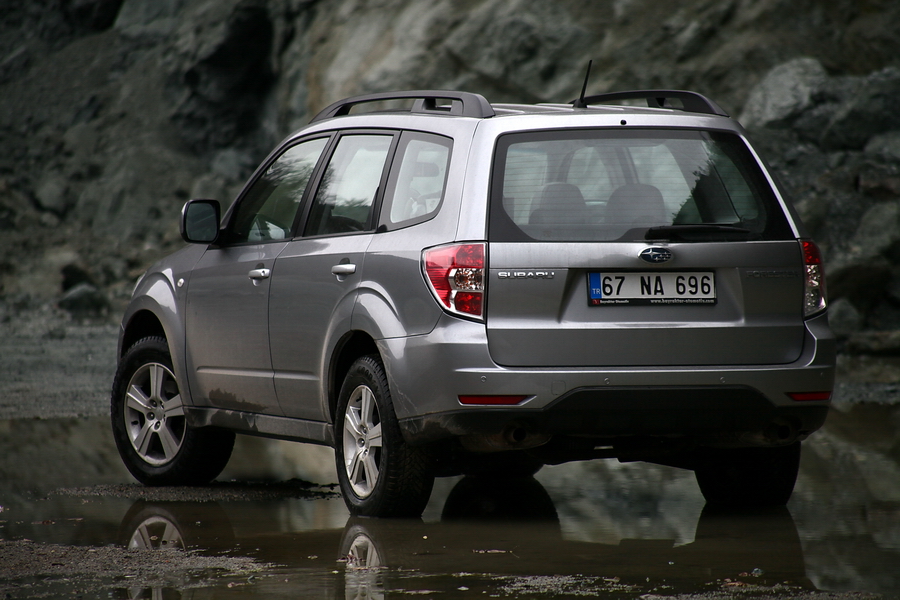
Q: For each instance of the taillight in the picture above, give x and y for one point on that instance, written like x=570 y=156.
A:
x=814 y=286
x=456 y=276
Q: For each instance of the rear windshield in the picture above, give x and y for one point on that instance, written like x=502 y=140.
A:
x=610 y=184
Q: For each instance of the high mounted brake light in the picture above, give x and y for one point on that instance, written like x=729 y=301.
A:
x=455 y=274
x=814 y=300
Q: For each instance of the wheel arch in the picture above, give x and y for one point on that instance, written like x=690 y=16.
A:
x=353 y=345
x=143 y=323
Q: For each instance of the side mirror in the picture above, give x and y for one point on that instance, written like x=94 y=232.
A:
x=200 y=221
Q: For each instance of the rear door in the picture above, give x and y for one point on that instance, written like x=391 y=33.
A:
x=316 y=278
x=639 y=248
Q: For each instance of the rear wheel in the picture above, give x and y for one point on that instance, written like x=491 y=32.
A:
x=379 y=473
x=150 y=426
x=749 y=477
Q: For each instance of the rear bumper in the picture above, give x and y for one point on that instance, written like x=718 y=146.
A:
x=428 y=374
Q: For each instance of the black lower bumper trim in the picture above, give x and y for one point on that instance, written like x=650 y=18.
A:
x=602 y=412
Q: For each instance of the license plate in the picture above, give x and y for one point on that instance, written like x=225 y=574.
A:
x=618 y=289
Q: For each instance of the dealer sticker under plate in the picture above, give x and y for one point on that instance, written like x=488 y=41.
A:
x=617 y=288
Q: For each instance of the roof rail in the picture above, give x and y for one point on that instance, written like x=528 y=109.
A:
x=690 y=101
x=463 y=104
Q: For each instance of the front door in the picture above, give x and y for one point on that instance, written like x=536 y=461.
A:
x=227 y=314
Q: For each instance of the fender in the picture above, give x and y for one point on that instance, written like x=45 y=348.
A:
x=160 y=291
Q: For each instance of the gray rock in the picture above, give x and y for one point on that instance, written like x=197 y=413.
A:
x=148 y=17
x=784 y=93
x=886 y=343
x=51 y=194
x=94 y=14
x=885 y=145
x=14 y=63
x=520 y=45
x=221 y=68
x=878 y=230
x=862 y=281
x=84 y=299
x=870 y=112
x=843 y=317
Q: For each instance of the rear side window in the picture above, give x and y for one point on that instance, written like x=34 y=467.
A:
x=605 y=185
x=416 y=185
x=349 y=185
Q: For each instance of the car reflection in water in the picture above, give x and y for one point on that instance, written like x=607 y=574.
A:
x=494 y=536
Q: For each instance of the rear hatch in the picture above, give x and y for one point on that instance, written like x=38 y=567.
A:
x=639 y=248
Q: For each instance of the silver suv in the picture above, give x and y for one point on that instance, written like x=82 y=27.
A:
x=445 y=286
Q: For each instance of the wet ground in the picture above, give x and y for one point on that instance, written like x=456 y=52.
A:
x=74 y=524
x=583 y=529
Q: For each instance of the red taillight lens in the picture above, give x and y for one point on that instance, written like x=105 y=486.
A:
x=814 y=286
x=456 y=276
x=809 y=396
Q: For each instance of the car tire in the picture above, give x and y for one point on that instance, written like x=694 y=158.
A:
x=749 y=477
x=150 y=426
x=379 y=473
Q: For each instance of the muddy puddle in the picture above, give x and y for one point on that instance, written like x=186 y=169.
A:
x=578 y=530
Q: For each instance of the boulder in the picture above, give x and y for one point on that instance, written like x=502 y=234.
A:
x=869 y=112
x=784 y=93
x=844 y=318
x=96 y=15
x=885 y=343
x=84 y=300
x=220 y=70
x=885 y=145
x=152 y=18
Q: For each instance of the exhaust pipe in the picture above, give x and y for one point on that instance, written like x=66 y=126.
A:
x=779 y=432
x=782 y=431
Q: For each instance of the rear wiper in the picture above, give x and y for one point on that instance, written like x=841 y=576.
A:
x=667 y=231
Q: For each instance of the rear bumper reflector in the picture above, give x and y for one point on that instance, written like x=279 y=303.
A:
x=809 y=396
x=492 y=400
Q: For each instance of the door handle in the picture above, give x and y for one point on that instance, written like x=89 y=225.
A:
x=257 y=274
x=343 y=269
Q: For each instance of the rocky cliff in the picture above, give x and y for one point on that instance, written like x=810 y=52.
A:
x=114 y=112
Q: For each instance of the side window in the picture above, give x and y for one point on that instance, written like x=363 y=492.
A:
x=416 y=187
x=348 y=188
x=267 y=210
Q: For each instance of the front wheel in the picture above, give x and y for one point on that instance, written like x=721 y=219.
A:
x=749 y=477
x=379 y=473
x=150 y=426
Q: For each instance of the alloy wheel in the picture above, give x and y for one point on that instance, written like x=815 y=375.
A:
x=362 y=441
x=154 y=414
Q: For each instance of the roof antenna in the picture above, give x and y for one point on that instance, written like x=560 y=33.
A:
x=580 y=102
